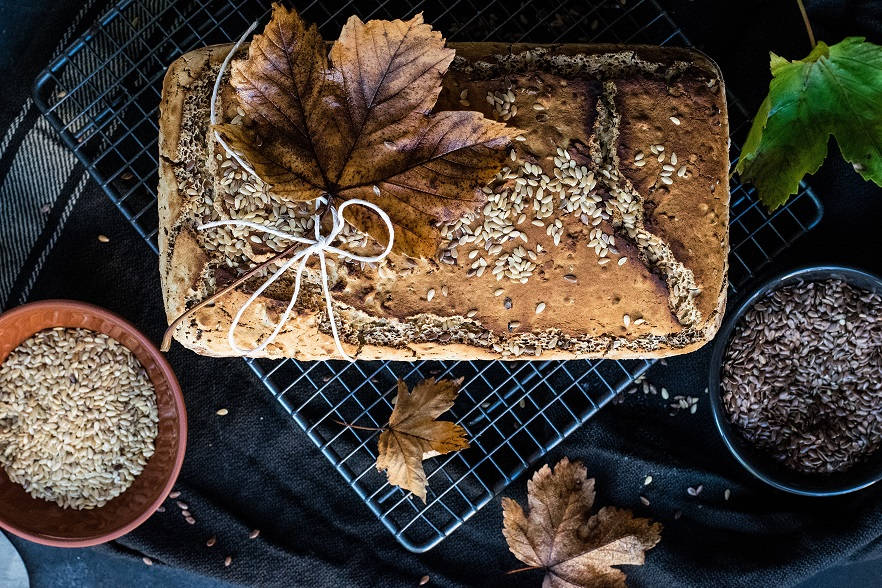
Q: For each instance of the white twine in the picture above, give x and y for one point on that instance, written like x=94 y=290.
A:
x=213 y=111
x=318 y=246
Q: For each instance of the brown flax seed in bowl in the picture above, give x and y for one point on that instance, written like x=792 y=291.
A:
x=78 y=417
x=802 y=375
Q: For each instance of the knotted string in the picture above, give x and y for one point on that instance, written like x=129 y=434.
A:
x=318 y=246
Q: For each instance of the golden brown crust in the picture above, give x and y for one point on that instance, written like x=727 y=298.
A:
x=178 y=255
x=604 y=295
x=180 y=75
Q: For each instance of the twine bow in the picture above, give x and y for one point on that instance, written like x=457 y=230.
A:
x=319 y=246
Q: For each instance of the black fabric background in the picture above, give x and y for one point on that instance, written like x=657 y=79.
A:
x=255 y=469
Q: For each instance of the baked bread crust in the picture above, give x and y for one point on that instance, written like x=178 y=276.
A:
x=612 y=103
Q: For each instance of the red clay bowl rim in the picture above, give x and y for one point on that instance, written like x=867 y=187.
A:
x=175 y=389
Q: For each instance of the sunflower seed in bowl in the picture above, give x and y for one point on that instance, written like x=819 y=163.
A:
x=78 y=417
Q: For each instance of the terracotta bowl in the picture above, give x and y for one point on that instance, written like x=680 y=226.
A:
x=45 y=522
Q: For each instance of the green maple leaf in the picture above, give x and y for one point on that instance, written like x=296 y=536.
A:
x=836 y=90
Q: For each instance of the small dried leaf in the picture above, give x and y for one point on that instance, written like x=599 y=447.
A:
x=361 y=126
x=413 y=434
x=559 y=535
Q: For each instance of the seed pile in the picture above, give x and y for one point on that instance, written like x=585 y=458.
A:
x=503 y=103
x=670 y=167
x=241 y=196
x=801 y=375
x=527 y=193
x=78 y=417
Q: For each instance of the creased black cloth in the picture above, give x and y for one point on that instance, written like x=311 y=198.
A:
x=254 y=468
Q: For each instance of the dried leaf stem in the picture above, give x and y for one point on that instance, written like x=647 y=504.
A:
x=359 y=427
x=525 y=569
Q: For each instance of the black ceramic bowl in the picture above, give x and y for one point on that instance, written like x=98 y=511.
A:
x=757 y=462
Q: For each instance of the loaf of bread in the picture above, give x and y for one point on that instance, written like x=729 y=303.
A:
x=606 y=236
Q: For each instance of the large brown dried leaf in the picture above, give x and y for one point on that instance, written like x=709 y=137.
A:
x=363 y=123
x=413 y=434
x=559 y=535
x=284 y=86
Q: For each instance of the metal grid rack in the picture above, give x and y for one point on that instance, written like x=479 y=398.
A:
x=102 y=96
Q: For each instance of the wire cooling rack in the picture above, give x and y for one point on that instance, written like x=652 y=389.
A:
x=102 y=97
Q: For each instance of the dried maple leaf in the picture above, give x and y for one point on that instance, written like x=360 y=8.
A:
x=560 y=536
x=361 y=126
x=413 y=434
